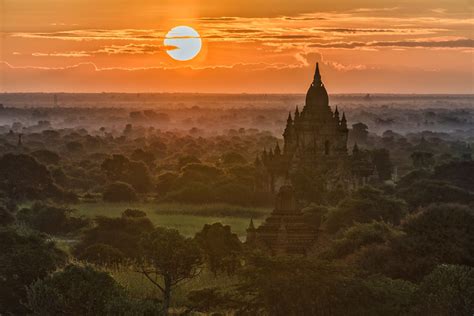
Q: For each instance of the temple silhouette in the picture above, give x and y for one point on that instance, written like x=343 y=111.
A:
x=315 y=145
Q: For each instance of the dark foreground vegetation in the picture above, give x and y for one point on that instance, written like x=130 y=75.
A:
x=402 y=246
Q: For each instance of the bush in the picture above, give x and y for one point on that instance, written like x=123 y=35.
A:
x=119 y=192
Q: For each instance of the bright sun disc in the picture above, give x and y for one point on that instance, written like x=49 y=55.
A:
x=185 y=41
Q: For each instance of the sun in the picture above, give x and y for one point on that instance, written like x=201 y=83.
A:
x=185 y=43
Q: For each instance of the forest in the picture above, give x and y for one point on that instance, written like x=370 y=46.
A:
x=142 y=207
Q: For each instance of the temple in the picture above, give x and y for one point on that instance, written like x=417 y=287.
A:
x=315 y=147
x=315 y=142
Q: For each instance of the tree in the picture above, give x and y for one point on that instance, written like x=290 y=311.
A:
x=360 y=133
x=363 y=206
x=381 y=159
x=165 y=182
x=46 y=157
x=166 y=259
x=133 y=213
x=425 y=192
x=300 y=286
x=460 y=174
x=24 y=259
x=188 y=159
x=209 y=300
x=102 y=255
x=422 y=160
x=74 y=147
x=119 y=192
x=437 y=234
x=23 y=177
x=232 y=157
x=360 y=235
x=74 y=291
x=81 y=290
x=220 y=246
x=448 y=290
x=6 y=217
x=443 y=232
x=315 y=215
x=121 y=234
x=144 y=156
x=52 y=219
x=135 y=173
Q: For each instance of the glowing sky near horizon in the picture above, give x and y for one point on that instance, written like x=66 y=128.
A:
x=419 y=46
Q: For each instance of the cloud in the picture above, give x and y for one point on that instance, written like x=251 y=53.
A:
x=222 y=18
x=95 y=34
x=458 y=43
x=66 y=54
x=252 y=78
x=129 y=49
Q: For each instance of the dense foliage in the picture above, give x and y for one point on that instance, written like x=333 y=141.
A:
x=401 y=244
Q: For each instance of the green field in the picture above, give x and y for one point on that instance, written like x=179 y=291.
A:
x=186 y=218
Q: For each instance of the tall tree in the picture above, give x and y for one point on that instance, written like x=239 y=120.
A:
x=220 y=246
x=166 y=259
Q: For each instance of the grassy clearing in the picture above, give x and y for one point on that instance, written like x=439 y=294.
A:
x=188 y=219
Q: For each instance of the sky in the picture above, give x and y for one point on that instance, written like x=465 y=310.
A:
x=251 y=46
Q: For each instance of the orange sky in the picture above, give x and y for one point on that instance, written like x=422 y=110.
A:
x=255 y=46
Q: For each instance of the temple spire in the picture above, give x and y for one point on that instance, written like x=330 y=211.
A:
x=317 y=75
x=343 y=120
x=277 y=150
x=251 y=225
x=289 y=120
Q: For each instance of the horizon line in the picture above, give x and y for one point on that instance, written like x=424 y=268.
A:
x=242 y=93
